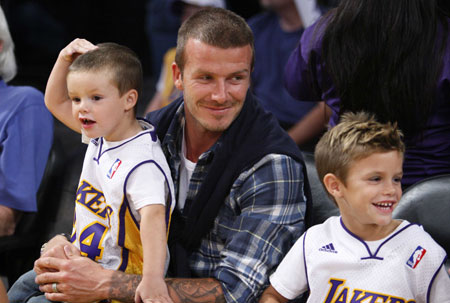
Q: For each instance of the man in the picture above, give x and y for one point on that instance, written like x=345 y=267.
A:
x=26 y=135
x=240 y=181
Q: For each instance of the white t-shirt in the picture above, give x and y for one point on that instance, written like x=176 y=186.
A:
x=187 y=168
x=336 y=266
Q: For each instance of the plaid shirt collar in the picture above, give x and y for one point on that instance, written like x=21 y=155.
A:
x=172 y=149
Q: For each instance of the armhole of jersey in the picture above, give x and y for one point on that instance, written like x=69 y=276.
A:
x=169 y=205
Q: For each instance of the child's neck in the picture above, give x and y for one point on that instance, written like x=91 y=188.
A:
x=130 y=130
x=372 y=232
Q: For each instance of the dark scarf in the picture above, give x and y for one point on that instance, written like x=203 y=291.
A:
x=252 y=135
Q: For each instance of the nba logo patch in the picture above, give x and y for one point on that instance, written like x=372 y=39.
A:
x=114 y=168
x=416 y=257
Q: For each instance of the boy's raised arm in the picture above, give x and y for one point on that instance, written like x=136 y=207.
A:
x=56 y=95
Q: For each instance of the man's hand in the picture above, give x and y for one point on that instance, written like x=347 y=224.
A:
x=55 y=249
x=77 y=278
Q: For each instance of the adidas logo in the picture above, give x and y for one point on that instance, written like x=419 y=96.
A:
x=328 y=248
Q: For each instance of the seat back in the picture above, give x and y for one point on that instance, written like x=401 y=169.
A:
x=428 y=203
x=323 y=206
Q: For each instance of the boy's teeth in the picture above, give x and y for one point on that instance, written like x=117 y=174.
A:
x=384 y=204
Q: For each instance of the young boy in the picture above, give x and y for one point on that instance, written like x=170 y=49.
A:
x=364 y=255
x=125 y=195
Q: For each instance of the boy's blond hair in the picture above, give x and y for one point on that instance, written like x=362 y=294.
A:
x=357 y=136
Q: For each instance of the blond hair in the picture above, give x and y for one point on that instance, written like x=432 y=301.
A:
x=357 y=136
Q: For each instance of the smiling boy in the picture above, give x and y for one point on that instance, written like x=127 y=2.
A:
x=363 y=255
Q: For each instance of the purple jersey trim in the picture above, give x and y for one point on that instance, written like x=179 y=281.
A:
x=374 y=256
x=152 y=134
x=304 y=260
x=432 y=279
x=126 y=205
x=168 y=206
x=121 y=238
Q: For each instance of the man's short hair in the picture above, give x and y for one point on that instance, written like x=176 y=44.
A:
x=121 y=61
x=216 y=27
x=357 y=136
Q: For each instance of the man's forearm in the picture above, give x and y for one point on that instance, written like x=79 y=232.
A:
x=195 y=290
x=123 y=287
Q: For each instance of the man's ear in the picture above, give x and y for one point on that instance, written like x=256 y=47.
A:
x=1 y=46
x=177 y=76
x=131 y=99
x=333 y=185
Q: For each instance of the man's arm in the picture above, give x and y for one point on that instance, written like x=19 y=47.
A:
x=3 y=295
x=82 y=280
x=195 y=290
x=272 y=204
x=311 y=125
x=56 y=95
x=123 y=287
x=79 y=279
x=8 y=220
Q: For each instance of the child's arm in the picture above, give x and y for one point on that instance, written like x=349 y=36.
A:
x=270 y=295
x=56 y=95
x=154 y=245
x=440 y=288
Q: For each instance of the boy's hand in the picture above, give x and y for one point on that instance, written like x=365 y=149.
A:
x=55 y=249
x=76 y=48
x=152 y=290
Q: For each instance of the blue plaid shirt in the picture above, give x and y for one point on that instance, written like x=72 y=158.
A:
x=256 y=226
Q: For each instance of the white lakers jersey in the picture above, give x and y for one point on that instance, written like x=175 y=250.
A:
x=336 y=266
x=117 y=179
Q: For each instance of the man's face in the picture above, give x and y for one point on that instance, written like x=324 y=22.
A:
x=214 y=83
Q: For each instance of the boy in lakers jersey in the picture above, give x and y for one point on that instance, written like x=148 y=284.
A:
x=363 y=255
x=125 y=194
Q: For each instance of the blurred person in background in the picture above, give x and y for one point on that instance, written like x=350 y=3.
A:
x=390 y=58
x=26 y=135
x=277 y=31
x=166 y=92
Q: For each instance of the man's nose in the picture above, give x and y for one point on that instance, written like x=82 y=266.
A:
x=220 y=91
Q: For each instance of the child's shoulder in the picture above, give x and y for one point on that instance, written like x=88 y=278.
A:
x=326 y=229
x=418 y=243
